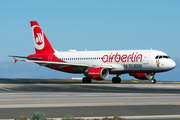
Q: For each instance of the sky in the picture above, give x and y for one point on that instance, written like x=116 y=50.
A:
x=90 y=25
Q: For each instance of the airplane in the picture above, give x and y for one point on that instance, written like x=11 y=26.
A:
x=97 y=65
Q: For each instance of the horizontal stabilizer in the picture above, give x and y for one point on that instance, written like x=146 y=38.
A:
x=33 y=58
x=15 y=60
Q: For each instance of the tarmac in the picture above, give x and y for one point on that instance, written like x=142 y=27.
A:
x=132 y=99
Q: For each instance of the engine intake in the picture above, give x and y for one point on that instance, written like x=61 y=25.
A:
x=97 y=73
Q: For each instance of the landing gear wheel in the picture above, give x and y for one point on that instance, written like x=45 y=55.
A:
x=116 y=80
x=86 y=80
x=153 y=81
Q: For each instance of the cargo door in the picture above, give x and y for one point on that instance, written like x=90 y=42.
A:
x=146 y=58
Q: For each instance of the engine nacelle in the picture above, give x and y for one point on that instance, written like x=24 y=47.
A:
x=142 y=76
x=97 y=73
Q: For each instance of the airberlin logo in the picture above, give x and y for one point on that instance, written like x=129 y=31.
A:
x=38 y=37
x=93 y=73
x=134 y=57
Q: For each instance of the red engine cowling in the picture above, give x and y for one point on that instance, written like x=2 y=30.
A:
x=97 y=73
x=143 y=76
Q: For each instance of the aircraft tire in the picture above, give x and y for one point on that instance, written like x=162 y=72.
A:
x=116 y=80
x=86 y=80
x=153 y=81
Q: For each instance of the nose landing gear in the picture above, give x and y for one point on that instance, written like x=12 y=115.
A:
x=153 y=81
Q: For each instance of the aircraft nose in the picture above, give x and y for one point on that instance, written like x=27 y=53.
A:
x=172 y=64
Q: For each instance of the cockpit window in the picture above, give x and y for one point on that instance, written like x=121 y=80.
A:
x=162 y=56
x=165 y=57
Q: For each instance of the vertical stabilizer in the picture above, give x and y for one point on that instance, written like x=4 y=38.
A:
x=41 y=43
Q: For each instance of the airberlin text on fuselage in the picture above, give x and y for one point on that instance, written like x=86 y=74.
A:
x=134 y=57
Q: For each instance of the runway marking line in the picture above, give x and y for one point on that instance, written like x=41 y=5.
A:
x=176 y=104
x=112 y=101
x=55 y=85
x=39 y=102
x=135 y=81
x=93 y=101
x=5 y=89
x=134 y=100
x=58 y=106
x=55 y=102
x=164 y=100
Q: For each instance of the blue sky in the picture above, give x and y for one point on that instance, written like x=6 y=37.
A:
x=88 y=24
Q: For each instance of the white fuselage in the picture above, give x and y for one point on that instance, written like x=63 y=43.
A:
x=122 y=61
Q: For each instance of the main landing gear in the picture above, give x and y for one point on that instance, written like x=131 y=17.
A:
x=116 y=79
x=153 y=81
x=86 y=80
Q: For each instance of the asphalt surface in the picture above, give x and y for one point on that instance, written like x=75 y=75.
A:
x=57 y=98
x=55 y=85
x=98 y=111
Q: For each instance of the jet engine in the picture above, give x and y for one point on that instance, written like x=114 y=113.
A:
x=97 y=73
x=142 y=76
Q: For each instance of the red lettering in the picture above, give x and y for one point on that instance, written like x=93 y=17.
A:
x=117 y=57
x=110 y=59
x=105 y=58
x=132 y=57
x=128 y=57
x=135 y=56
x=124 y=58
x=140 y=58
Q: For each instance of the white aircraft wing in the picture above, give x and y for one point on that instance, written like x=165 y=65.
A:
x=44 y=63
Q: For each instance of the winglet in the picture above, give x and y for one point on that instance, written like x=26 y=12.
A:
x=15 y=60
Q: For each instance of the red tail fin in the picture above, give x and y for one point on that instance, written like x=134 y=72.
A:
x=41 y=43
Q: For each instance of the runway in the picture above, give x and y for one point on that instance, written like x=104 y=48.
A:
x=60 y=97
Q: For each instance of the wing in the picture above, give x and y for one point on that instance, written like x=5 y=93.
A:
x=43 y=63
